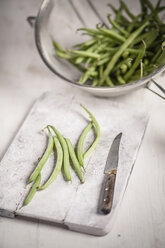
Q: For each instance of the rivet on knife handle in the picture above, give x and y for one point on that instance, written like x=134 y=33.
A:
x=108 y=192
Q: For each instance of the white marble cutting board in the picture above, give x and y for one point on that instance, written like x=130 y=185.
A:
x=72 y=204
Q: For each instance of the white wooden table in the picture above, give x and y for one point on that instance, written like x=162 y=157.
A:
x=24 y=77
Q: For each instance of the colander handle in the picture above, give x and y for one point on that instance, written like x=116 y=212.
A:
x=31 y=20
x=158 y=86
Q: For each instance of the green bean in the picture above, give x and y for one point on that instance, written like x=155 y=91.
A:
x=123 y=22
x=127 y=10
x=85 y=54
x=57 y=167
x=75 y=162
x=62 y=141
x=94 y=73
x=102 y=44
x=88 y=62
x=103 y=61
x=135 y=77
x=121 y=50
x=108 y=49
x=81 y=143
x=146 y=62
x=116 y=26
x=101 y=82
x=101 y=68
x=139 y=50
x=78 y=66
x=125 y=54
x=118 y=16
x=158 y=4
x=120 y=79
x=153 y=10
x=79 y=60
x=123 y=68
x=58 y=47
x=93 y=48
x=133 y=51
x=95 y=82
x=135 y=65
x=104 y=40
x=163 y=45
x=130 y=50
x=134 y=23
x=97 y=130
x=148 y=69
x=43 y=159
x=90 y=31
x=84 y=77
x=87 y=74
x=63 y=55
x=113 y=8
x=32 y=191
x=151 y=37
x=139 y=39
x=157 y=55
x=161 y=59
x=108 y=54
x=112 y=34
x=160 y=9
x=86 y=44
x=143 y=8
x=127 y=62
x=120 y=19
x=101 y=71
x=109 y=81
x=85 y=59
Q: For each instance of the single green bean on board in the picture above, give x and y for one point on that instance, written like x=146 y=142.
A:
x=81 y=143
x=75 y=161
x=66 y=167
x=97 y=130
x=32 y=190
x=57 y=167
x=43 y=160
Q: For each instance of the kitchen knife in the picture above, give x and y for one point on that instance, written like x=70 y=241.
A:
x=107 y=190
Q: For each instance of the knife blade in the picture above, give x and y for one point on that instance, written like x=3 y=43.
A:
x=108 y=186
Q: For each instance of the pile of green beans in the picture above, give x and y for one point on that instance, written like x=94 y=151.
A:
x=130 y=48
x=65 y=153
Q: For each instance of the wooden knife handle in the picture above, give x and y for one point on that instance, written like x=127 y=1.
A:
x=107 y=193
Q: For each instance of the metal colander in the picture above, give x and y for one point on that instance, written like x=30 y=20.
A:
x=59 y=19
